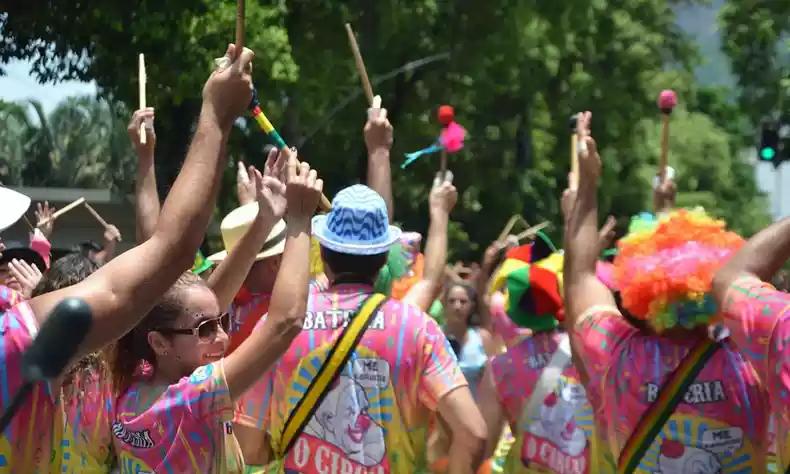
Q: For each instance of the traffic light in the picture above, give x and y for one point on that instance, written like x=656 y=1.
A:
x=769 y=144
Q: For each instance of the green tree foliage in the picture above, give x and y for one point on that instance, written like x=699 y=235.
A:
x=514 y=71
x=81 y=143
x=757 y=40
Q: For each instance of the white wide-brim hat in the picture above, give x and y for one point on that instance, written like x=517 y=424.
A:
x=236 y=224
x=14 y=206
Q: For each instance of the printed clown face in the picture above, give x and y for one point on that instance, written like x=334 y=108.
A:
x=343 y=421
x=557 y=422
x=675 y=457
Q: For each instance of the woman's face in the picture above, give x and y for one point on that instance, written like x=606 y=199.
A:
x=211 y=341
x=459 y=305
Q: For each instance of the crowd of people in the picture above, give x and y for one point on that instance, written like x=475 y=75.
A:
x=336 y=343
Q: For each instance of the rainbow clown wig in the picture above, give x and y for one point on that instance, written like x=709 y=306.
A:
x=664 y=267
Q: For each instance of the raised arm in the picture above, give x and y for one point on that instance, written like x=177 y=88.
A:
x=111 y=238
x=378 y=140
x=146 y=197
x=761 y=257
x=270 y=195
x=583 y=289
x=442 y=201
x=267 y=342
x=124 y=290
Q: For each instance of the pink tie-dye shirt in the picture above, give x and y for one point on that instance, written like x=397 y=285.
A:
x=375 y=416
x=9 y=298
x=86 y=410
x=561 y=438
x=758 y=316
x=181 y=428
x=719 y=426
x=27 y=444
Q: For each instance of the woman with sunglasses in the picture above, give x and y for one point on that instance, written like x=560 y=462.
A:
x=175 y=388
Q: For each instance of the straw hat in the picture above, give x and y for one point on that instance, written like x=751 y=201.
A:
x=236 y=224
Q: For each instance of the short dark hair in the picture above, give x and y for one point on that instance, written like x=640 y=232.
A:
x=66 y=271
x=364 y=267
x=87 y=246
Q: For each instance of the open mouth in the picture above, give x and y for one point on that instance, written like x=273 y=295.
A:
x=355 y=434
x=214 y=356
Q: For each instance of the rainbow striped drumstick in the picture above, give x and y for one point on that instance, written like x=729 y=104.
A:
x=264 y=123
x=268 y=129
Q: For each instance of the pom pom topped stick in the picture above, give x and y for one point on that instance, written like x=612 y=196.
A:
x=141 y=79
x=667 y=101
x=573 y=184
x=363 y=73
x=451 y=140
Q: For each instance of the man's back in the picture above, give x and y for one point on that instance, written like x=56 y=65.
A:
x=721 y=421
x=374 y=417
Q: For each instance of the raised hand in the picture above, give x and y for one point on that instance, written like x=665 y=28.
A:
x=589 y=160
x=245 y=186
x=443 y=196
x=303 y=190
x=112 y=234
x=378 y=130
x=277 y=163
x=145 y=151
x=664 y=195
x=567 y=202
x=606 y=234
x=26 y=275
x=44 y=212
x=228 y=91
x=492 y=252
x=270 y=194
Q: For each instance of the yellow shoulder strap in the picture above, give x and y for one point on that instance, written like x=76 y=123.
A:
x=334 y=363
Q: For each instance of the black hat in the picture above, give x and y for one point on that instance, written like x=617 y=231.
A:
x=22 y=252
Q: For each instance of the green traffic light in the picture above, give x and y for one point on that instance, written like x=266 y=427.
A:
x=767 y=153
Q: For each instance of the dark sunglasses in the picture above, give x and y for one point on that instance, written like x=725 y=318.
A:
x=207 y=329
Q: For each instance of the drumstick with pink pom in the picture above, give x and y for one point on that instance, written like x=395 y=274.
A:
x=667 y=101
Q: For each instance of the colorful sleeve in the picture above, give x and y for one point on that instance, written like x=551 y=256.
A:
x=598 y=333
x=758 y=319
x=9 y=298
x=440 y=371
x=501 y=323
x=205 y=393
x=252 y=409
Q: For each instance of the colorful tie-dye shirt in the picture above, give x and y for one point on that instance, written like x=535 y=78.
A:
x=86 y=413
x=374 y=418
x=758 y=316
x=721 y=423
x=26 y=445
x=9 y=298
x=245 y=312
x=184 y=427
x=561 y=436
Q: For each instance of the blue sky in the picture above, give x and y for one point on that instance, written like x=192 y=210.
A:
x=18 y=85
